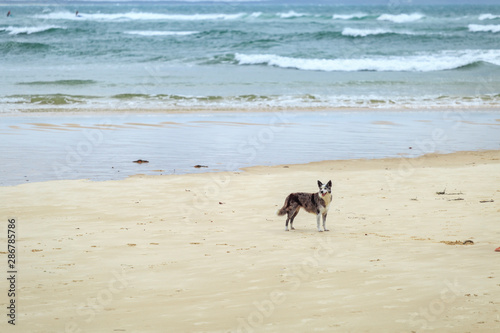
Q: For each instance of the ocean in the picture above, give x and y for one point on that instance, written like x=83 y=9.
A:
x=88 y=88
x=238 y=55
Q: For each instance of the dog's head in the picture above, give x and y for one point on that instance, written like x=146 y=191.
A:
x=324 y=189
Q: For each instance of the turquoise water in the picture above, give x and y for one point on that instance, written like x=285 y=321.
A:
x=240 y=55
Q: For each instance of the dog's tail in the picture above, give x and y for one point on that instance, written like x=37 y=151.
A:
x=283 y=209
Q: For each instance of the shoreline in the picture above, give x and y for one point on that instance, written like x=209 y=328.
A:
x=206 y=252
x=355 y=164
x=204 y=109
x=363 y=163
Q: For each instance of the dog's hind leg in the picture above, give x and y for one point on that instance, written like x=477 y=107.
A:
x=290 y=217
x=293 y=217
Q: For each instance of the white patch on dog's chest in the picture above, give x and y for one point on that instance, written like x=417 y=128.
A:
x=327 y=199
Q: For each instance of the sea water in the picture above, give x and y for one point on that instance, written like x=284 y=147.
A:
x=374 y=77
x=220 y=55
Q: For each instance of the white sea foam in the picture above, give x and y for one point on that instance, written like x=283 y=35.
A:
x=445 y=60
x=174 y=102
x=137 y=16
x=364 y=32
x=484 y=28
x=401 y=18
x=290 y=14
x=29 y=30
x=488 y=16
x=161 y=33
x=353 y=32
x=349 y=16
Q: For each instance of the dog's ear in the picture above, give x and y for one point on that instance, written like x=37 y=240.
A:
x=320 y=184
x=329 y=184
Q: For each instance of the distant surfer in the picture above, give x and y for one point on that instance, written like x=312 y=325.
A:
x=76 y=14
x=8 y=14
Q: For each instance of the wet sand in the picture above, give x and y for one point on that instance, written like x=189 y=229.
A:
x=102 y=146
x=206 y=253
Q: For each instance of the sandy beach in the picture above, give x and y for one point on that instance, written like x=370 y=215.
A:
x=206 y=252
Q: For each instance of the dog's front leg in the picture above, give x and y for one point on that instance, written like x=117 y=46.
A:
x=324 y=222
x=318 y=220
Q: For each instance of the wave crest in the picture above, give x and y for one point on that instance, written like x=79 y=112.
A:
x=401 y=18
x=137 y=16
x=290 y=14
x=29 y=30
x=446 y=60
x=484 y=28
x=364 y=32
x=355 y=16
x=488 y=16
x=147 y=33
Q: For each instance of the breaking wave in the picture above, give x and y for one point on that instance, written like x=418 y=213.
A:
x=355 y=16
x=401 y=18
x=30 y=30
x=291 y=14
x=161 y=33
x=488 y=16
x=137 y=16
x=364 y=32
x=446 y=60
x=134 y=101
x=484 y=28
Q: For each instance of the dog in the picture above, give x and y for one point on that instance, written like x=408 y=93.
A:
x=315 y=203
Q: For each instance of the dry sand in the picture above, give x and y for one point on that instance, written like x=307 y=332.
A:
x=206 y=252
